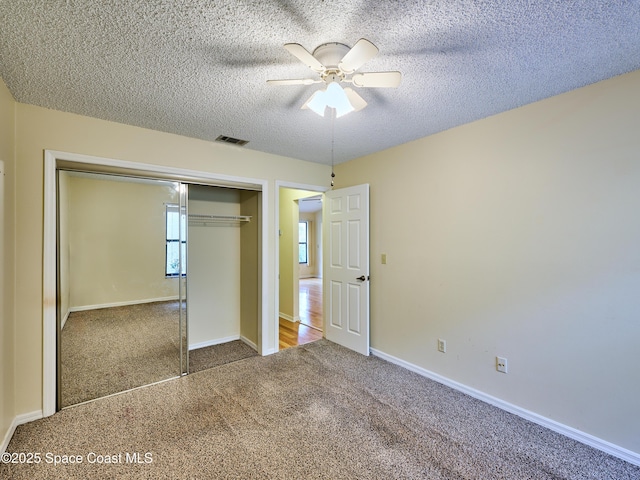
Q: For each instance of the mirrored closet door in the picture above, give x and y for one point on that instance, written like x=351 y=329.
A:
x=121 y=284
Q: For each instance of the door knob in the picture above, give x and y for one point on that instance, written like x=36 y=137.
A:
x=362 y=278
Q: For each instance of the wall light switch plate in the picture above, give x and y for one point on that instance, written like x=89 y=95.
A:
x=383 y=259
x=442 y=345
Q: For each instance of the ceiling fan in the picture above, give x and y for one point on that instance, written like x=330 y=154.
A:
x=337 y=63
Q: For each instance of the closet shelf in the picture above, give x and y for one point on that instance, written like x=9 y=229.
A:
x=204 y=219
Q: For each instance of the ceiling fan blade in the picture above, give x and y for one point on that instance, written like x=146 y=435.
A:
x=377 y=79
x=357 y=102
x=300 y=81
x=304 y=56
x=362 y=52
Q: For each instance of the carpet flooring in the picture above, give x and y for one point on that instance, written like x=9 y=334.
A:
x=110 y=350
x=312 y=411
x=216 y=355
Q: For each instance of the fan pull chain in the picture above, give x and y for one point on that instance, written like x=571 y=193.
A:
x=333 y=138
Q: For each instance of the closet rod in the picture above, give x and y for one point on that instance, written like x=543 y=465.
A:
x=218 y=218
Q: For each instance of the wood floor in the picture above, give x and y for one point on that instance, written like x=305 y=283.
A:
x=311 y=302
x=295 y=333
x=310 y=327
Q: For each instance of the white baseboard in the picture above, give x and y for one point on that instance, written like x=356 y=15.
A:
x=249 y=342
x=289 y=318
x=83 y=308
x=582 y=437
x=215 y=341
x=64 y=320
x=19 y=420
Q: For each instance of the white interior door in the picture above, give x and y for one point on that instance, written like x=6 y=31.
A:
x=346 y=267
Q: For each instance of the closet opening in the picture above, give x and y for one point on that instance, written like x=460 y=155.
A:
x=154 y=277
x=223 y=300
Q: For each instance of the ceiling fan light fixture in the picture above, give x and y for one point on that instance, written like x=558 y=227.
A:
x=336 y=63
x=333 y=96
x=337 y=98
x=356 y=100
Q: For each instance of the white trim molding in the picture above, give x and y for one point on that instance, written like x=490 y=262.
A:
x=215 y=341
x=248 y=342
x=49 y=287
x=84 y=308
x=19 y=420
x=289 y=318
x=64 y=319
x=575 y=434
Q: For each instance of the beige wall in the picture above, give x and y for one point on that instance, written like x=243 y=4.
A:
x=7 y=271
x=288 y=211
x=116 y=241
x=518 y=236
x=250 y=266
x=39 y=129
x=116 y=232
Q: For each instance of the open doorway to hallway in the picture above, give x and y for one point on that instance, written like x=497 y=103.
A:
x=310 y=299
x=300 y=267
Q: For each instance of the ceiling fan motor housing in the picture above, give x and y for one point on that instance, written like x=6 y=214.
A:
x=330 y=54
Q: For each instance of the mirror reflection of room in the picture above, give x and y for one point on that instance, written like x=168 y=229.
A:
x=119 y=309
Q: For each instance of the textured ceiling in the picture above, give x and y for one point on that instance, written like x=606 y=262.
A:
x=199 y=68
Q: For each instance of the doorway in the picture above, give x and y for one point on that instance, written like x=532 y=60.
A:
x=345 y=269
x=300 y=267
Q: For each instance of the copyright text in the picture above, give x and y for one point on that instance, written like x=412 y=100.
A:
x=119 y=458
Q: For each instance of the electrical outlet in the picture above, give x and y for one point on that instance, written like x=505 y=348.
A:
x=501 y=364
x=442 y=345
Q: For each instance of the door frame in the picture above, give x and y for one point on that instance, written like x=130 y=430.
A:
x=56 y=159
x=321 y=189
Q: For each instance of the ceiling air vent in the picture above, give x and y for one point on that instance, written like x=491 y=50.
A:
x=231 y=140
